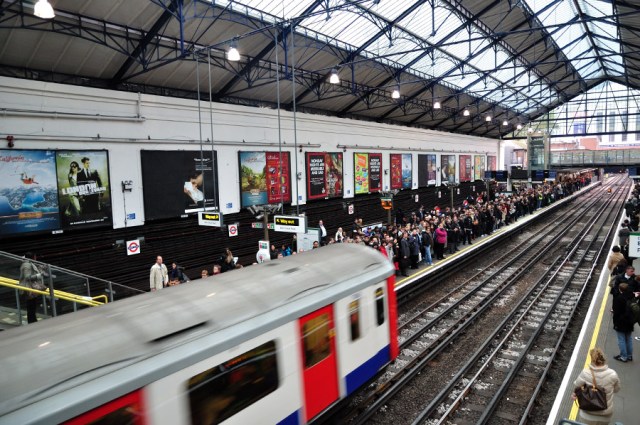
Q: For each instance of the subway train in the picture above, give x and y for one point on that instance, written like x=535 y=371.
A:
x=275 y=343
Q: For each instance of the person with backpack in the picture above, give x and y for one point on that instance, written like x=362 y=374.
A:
x=623 y=321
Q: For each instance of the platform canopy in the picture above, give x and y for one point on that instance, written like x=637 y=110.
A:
x=463 y=66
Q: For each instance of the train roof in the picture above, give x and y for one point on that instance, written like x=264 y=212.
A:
x=67 y=350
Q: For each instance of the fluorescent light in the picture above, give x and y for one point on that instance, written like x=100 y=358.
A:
x=43 y=9
x=465 y=112
x=436 y=105
x=488 y=118
x=232 y=54
x=395 y=94
x=335 y=78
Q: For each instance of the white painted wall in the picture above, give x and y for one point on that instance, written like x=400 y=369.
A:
x=45 y=115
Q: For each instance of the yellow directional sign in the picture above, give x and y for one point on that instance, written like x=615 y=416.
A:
x=213 y=219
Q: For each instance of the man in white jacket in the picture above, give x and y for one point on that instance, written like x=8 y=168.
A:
x=159 y=276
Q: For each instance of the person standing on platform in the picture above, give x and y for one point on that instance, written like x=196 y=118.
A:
x=623 y=322
x=405 y=254
x=159 y=277
x=614 y=259
x=606 y=378
x=31 y=277
x=323 y=233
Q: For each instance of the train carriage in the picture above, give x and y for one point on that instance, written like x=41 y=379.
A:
x=278 y=342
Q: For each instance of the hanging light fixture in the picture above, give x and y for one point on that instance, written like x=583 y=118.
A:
x=232 y=54
x=334 y=78
x=530 y=129
x=519 y=126
x=505 y=123
x=437 y=105
x=396 y=93
x=466 y=112
x=43 y=9
x=488 y=118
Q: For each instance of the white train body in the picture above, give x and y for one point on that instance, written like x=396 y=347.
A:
x=276 y=343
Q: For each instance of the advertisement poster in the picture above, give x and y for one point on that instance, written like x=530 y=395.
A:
x=466 y=168
x=324 y=175
x=28 y=191
x=432 y=170
x=478 y=167
x=264 y=178
x=83 y=188
x=396 y=170
x=367 y=172
x=492 y=163
x=177 y=182
x=448 y=168
x=361 y=172
x=407 y=178
x=375 y=172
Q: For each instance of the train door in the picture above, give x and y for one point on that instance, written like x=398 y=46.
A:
x=320 y=368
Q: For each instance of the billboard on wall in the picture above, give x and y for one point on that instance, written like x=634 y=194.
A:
x=324 y=175
x=84 y=193
x=265 y=178
x=478 y=167
x=367 y=172
x=28 y=191
x=448 y=168
x=401 y=171
x=492 y=163
x=466 y=168
x=426 y=170
x=177 y=182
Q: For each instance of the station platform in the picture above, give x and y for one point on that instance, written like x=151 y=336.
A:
x=450 y=259
x=597 y=330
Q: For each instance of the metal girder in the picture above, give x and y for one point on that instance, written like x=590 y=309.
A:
x=282 y=33
x=352 y=55
x=140 y=49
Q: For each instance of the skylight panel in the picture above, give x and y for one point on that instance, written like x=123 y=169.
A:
x=343 y=26
x=285 y=10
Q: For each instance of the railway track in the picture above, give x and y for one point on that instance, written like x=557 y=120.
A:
x=522 y=318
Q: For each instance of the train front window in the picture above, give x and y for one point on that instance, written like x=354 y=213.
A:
x=380 y=306
x=222 y=391
x=316 y=340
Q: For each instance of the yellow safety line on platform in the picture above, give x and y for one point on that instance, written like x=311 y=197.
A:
x=594 y=337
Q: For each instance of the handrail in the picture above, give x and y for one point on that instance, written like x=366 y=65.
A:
x=66 y=296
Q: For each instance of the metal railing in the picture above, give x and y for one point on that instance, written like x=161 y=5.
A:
x=587 y=158
x=66 y=291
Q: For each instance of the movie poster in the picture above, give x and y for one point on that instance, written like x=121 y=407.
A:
x=178 y=182
x=83 y=188
x=375 y=172
x=264 y=178
x=432 y=169
x=28 y=191
x=478 y=167
x=324 y=175
x=396 y=170
x=466 y=168
x=448 y=168
x=492 y=163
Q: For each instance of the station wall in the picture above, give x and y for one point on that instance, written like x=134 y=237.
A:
x=42 y=115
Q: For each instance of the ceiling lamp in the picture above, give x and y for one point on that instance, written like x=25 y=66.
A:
x=232 y=54
x=519 y=127
x=334 y=78
x=488 y=118
x=436 y=105
x=396 y=93
x=43 y=9
x=505 y=123
x=530 y=130
x=465 y=112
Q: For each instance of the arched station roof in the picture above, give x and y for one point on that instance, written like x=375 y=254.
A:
x=509 y=60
